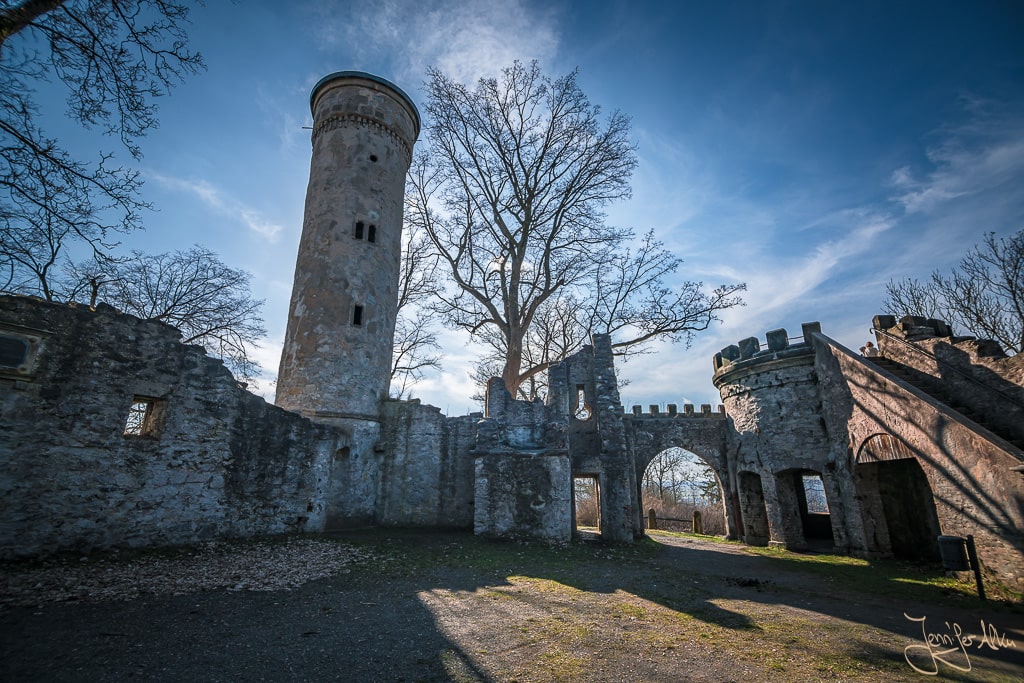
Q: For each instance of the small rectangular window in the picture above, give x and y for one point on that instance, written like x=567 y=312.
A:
x=357 y=315
x=144 y=417
x=359 y=230
x=13 y=352
x=371 y=235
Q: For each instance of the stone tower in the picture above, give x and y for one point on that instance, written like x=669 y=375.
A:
x=336 y=362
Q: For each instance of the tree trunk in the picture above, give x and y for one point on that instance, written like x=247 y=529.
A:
x=16 y=18
x=513 y=364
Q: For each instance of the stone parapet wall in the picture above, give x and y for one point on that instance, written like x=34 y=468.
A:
x=972 y=485
x=209 y=460
x=976 y=372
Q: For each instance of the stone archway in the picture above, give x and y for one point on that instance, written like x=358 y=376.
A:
x=900 y=518
x=677 y=483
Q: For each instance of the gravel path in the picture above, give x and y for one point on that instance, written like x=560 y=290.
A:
x=415 y=606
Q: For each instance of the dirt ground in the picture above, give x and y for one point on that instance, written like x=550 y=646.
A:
x=428 y=606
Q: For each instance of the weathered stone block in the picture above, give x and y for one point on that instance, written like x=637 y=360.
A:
x=777 y=339
x=749 y=347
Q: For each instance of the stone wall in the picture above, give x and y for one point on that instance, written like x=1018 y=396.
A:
x=972 y=486
x=427 y=474
x=976 y=372
x=205 y=458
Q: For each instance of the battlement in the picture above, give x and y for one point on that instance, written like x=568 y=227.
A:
x=912 y=327
x=779 y=346
x=654 y=411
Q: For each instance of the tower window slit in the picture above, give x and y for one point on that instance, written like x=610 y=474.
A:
x=357 y=315
x=359 y=230
x=371 y=234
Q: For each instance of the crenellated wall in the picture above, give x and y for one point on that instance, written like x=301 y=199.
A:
x=899 y=466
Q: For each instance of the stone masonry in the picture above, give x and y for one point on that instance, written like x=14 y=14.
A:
x=116 y=434
x=206 y=458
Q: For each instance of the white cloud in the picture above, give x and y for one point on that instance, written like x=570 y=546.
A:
x=228 y=206
x=465 y=39
x=984 y=155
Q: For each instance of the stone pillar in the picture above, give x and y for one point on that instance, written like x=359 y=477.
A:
x=336 y=361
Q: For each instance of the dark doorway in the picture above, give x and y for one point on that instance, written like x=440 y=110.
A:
x=907 y=505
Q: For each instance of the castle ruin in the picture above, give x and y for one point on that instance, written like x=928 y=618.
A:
x=116 y=434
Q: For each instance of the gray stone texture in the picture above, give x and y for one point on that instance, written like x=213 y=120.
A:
x=334 y=367
x=220 y=463
x=899 y=466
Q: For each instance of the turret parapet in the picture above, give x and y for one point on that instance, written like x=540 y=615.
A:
x=778 y=345
x=654 y=411
x=912 y=327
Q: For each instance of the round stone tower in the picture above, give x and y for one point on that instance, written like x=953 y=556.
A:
x=336 y=361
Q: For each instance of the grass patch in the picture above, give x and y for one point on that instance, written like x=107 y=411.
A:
x=922 y=582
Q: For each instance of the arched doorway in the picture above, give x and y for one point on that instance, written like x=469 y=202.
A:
x=898 y=504
x=675 y=484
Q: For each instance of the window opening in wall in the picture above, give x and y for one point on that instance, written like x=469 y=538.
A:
x=582 y=412
x=359 y=230
x=814 y=494
x=357 y=315
x=371 y=235
x=143 y=417
x=373 y=158
x=13 y=352
x=587 y=503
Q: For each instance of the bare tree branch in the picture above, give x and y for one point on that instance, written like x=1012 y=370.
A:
x=982 y=296
x=193 y=290
x=511 y=198
x=114 y=57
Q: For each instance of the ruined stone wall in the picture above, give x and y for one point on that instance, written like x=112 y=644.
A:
x=972 y=481
x=210 y=459
x=524 y=495
x=427 y=466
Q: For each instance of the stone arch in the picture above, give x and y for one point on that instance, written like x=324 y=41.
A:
x=898 y=507
x=643 y=474
x=702 y=436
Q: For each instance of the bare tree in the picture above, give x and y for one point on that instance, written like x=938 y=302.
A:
x=982 y=296
x=194 y=291
x=114 y=57
x=511 y=197
x=416 y=348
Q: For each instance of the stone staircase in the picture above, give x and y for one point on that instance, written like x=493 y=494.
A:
x=935 y=389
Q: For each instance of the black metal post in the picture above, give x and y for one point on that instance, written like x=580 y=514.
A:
x=972 y=554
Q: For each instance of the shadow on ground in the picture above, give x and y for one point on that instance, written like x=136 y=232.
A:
x=450 y=606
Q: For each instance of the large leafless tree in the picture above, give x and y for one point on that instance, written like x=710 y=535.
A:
x=511 y=195
x=982 y=296
x=113 y=58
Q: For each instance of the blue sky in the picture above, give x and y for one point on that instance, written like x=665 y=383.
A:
x=813 y=150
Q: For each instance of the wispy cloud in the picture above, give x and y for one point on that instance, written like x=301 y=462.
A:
x=983 y=155
x=465 y=39
x=251 y=218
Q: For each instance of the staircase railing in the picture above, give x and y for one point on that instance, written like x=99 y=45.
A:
x=914 y=347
